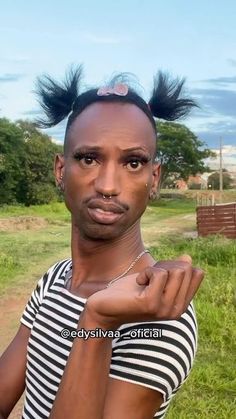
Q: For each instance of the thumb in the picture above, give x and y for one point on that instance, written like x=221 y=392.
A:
x=185 y=258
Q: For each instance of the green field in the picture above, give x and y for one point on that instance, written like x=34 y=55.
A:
x=210 y=391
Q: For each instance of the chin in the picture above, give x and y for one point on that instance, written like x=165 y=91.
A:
x=101 y=232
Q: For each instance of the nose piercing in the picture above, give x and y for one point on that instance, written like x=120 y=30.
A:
x=106 y=196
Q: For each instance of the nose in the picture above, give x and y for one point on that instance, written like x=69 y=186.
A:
x=108 y=180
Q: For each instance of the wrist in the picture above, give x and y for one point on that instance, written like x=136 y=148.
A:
x=90 y=319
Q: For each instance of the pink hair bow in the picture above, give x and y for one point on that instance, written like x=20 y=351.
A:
x=119 y=89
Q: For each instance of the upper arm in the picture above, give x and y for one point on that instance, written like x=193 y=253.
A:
x=126 y=400
x=151 y=368
x=13 y=360
x=12 y=371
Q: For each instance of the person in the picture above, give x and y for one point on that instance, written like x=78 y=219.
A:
x=108 y=333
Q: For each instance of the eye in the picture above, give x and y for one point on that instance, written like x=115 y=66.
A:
x=89 y=161
x=86 y=159
x=135 y=163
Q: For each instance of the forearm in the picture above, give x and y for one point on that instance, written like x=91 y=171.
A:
x=82 y=391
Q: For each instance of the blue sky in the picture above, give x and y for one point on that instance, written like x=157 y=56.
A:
x=194 y=39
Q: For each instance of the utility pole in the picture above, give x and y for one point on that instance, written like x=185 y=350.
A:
x=221 y=168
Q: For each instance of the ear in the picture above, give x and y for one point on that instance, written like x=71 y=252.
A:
x=156 y=174
x=59 y=164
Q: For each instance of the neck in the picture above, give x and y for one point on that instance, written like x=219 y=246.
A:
x=93 y=261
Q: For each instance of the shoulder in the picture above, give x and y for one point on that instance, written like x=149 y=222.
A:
x=61 y=267
x=56 y=271
x=157 y=354
x=43 y=286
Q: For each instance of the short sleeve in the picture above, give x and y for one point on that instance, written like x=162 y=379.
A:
x=39 y=293
x=158 y=355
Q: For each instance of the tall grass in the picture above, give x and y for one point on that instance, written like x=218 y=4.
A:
x=210 y=391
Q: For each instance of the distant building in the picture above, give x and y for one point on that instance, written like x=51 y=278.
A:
x=198 y=180
x=193 y=182
x=181 y=184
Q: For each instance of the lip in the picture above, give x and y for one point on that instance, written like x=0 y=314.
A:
x=106 y=206
x=102 y=216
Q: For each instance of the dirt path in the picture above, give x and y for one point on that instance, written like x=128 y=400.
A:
x=12 y=304
x=184 y=224
x=11 y=309
x=22 y=223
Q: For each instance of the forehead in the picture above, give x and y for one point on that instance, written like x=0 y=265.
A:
x=113 y=124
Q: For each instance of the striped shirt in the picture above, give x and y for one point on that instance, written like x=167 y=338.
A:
x=161 y=363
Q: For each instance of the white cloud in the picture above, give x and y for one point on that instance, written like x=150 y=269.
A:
x=228 y=158
x=56 y=141
x=227 y=151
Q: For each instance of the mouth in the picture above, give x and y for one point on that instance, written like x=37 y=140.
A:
x=105 y=213
x=104 y=217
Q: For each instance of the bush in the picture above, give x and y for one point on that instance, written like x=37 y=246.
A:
x=41 y=193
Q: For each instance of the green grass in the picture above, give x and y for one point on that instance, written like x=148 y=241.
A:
x=166 y=208
x=23 y=252
x=210 y=391
x=55 y=211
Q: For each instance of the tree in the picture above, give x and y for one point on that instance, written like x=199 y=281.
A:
x=26 y=164
x=11 y=161
x=214 y=180
x=38 y=186
x=180 y=152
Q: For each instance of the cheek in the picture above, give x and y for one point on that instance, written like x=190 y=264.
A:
x=73 y=188
x=138 y=195
x=78 y=181
x=140 y=186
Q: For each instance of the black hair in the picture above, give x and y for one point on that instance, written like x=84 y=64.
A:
x=60 y=100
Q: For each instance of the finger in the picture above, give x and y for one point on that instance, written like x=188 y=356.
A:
x=144 y=277
x=153 y=292
x=185 y=258
x=172 y=287
x=183 y=261
x=180 y=303
x=197 y=277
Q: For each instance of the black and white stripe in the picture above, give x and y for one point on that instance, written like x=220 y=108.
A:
x=161 y=363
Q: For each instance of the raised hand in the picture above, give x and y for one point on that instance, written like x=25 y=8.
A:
x=161 y=292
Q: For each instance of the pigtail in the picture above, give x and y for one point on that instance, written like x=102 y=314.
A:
x=57 y=99
x=167 y=101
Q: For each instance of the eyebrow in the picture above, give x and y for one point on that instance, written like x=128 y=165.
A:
x=99 y=149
